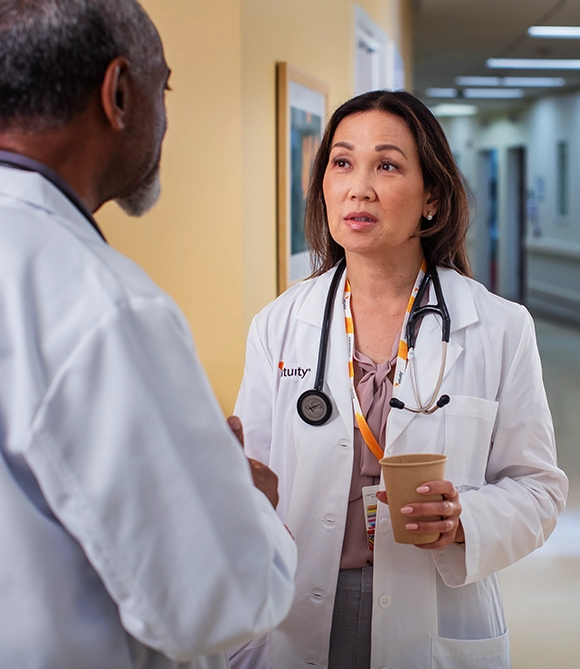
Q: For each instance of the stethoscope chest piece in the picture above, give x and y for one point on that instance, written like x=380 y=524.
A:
x=314 y=407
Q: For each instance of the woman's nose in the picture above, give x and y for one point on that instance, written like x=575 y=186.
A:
x=361 y=187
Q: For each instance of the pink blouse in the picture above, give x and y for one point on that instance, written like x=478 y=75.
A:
x=374 y=390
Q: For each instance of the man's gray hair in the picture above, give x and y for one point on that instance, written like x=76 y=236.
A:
x=54 y=54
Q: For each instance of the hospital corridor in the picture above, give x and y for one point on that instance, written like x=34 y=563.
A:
x=541 y=592
x=307 y=152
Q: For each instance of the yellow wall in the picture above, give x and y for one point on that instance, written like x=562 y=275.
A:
x=211 y=241
x=316 y=36
x=190 y=243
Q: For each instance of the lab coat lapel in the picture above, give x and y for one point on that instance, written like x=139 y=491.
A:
x=428 y=349
x=337 y=383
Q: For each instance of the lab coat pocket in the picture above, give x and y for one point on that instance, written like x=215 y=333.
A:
x=471 y=653
x=469 y=423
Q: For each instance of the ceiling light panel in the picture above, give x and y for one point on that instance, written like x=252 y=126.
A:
x=548 y=82
x=534 y=63
x=450 y=109
x=478 y=81
x=555 y=32
x=441 y=92
x=490 y=93
x=510 y=81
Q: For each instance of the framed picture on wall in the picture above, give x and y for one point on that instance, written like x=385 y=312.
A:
x=301 y=110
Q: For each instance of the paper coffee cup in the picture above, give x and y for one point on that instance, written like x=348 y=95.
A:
x=403 y=474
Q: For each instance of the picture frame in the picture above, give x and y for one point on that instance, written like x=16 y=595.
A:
x=302 y=103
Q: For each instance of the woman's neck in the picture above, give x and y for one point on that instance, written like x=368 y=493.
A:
x=380 y=279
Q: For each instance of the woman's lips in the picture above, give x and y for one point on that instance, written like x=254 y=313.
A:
x=360 y=220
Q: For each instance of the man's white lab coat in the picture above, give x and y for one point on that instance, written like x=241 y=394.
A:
x=436 y=609
x=130 y=532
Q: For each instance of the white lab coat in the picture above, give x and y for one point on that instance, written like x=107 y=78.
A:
x=130 y=532
x=436 y=609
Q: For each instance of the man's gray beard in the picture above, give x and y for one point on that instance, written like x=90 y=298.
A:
x=143 y=198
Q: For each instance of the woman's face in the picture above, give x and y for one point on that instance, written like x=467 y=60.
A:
x=373 y=186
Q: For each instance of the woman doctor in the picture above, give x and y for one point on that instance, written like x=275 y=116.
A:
x=387 y=197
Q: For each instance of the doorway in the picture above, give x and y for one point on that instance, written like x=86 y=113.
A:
x=370 y=71
x=487 y=230
x=513 y=256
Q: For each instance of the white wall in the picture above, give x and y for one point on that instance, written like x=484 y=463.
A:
x=554 y=253
x=552 y=240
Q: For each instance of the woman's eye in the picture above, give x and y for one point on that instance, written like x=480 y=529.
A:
x=340 y=162
x=387 y=167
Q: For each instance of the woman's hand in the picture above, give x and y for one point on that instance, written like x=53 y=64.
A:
x=448 y=509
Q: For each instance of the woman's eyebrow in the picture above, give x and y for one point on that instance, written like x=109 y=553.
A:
x=389 y=147
x=379 y=147
x=344 y=145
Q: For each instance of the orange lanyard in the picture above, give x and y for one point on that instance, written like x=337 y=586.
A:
x=400 y=368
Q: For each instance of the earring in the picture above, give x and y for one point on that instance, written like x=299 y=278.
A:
x=429 y=216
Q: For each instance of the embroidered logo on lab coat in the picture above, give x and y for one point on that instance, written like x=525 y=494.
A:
x=296 y=372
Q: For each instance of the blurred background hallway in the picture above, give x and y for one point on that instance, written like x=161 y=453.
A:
x=515 y=131
x=542 y=591
x=509 y=102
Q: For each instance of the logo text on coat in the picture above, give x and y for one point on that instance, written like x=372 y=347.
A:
x=298 y=372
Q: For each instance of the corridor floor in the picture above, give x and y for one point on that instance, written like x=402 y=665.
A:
x=542 y=591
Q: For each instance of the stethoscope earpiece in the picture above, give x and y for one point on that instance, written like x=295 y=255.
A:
x=396 y=403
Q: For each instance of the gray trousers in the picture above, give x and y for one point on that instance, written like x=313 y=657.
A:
x=350 y=636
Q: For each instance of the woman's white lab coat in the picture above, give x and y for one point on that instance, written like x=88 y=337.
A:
x=437 y=609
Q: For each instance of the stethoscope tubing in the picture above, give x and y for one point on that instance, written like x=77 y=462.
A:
x=320 y=398
x=438 y=309
x=326 y=320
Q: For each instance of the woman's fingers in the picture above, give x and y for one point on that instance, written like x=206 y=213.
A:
x=445 y=514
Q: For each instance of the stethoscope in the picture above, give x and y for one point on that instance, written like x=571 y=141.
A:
x=10 y=159
x=315 y=406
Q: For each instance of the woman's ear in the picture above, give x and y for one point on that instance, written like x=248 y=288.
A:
x=115 y=93
x=431 y=203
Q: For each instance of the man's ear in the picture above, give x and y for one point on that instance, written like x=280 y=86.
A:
x=116 y=93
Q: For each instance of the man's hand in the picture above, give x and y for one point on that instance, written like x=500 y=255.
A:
x=263 y=477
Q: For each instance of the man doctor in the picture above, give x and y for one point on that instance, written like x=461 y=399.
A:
x=115 y=459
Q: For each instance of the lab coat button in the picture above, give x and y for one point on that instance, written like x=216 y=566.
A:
x=329 y=521
x=385 y=526
x=384 y=601
x=317 y=596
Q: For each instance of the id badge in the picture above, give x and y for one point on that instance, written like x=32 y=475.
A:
x=369 y=497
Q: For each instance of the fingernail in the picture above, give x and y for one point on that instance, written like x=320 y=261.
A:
x=407 y=509
x=423 y=488
x=412 y=526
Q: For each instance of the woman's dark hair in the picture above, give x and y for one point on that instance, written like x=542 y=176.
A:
x=54 y=54
x=444 y=237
